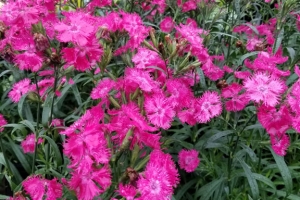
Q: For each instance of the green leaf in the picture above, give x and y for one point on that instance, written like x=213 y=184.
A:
x=47 y=109
x=251 y=180
x=264 y=179
x=21 y=106
x=207 y=190
x=241 y=60
x=284 y=171
x=76 y=94
x=55 y=148
x=4 y=197
x=202 y=77
x=291 y=52
x=28 y=124
x=291 y=79
x=219 y=135
x=278 y=40
x=183 y=190
x=284 y=194
x=21 y=157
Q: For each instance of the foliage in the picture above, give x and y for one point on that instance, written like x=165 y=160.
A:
x=161 y=99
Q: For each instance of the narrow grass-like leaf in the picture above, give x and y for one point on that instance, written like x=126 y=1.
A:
x=279 y=40
x=202 y=78
x=284 y=194
x=251 y=180
x=284 y=171
x=20 y=155
x=28 y=124
x=21 y=105
x=183 y=190
x=47 y=109
x=247 y=55
x=76 y=94
x=55 y=148
x=264 y=179
x=219 y=135
x=207 y=190
x=291 y=53
x=4 y=197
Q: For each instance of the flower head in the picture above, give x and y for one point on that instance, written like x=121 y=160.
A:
x=28 y=144
x=19 y=89
x=262 y=87
x=167 y=24
x=188 y=160
x=2 y=122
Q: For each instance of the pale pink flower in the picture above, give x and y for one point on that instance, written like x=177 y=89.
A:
x=261 y=87
x=167 y=24
x=188 y=160
x=19 y=89
x=76 y=27
x=2 y=122
x=38 y=188
x=28 y=145
x=208 y=106
x=159 y=111
x=236 y=101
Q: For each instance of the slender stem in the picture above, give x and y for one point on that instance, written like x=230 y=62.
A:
x=5 y=157
x=230 y=159
x=37 y=123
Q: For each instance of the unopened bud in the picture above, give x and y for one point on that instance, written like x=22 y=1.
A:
x=41 y=42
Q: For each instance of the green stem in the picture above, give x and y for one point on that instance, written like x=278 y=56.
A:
x=37 y=123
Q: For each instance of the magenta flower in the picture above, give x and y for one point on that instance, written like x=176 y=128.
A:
x=141 y=78
x=38 y=188
x=236 y=101
x=263 y=88
x=127 y=191
x=159 y=111
x=208 y=106
x=280 y=144
x=188 y=160
x=2 y=122
x=76 y=27
x=167 y=24
x=101 y=91
x=28 y=144
x=19 y=89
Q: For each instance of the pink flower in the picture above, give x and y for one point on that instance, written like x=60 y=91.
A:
x=2 y=122
x=19 y=89
x=29 y=61
x=28 y=144
x=208 y=106
x=280 y=144
x=212 y=71
x=127 y=191
x=159 y=178
x=188 y=160
x=159 y=111
x=76 y=27
x=263 y=88
x=167 y=24
x=87 y=185
x=141 y=78
x=38 y=188
x=83 y=58
x=146 y=58
x=189 y=5
x=236 y=102
x=101 y=91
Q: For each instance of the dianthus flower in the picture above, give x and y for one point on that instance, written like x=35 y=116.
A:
x=19 y=89
x=167 y=24
x=76 y=27
x=261 y=87
x=208 y=106
x=159 y=111
x=127 y=191
x=280 y=144
x=28 y=144
x=188 y=160
x=159 y=178
x=101 y=91
x=236 y=101
x=39 y=188
x=2 y=122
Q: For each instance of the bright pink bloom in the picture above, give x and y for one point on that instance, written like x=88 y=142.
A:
x=275 y=122
x=261 y=87
x=159 y=111
x=127 y=191
x=280 y=144
x=83 y=58
x=242 y=74
x=208 y=106
x=2 y=122
x=212 y=71
x=101 y=91
x=98 y=3
x=159 y=178
x=28 y=145
x=188 y=160
x=19 y=89
x=38 y=188
x=76 y=27
x=147 y=58
x=167 y=24
x=188 y=113
x=189 y=5
x=86 y=185
x=141 y=78
x=237 y=101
